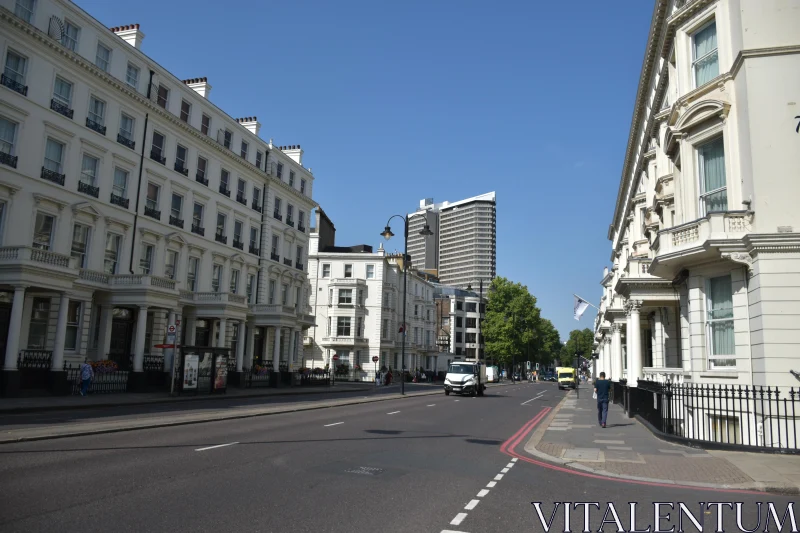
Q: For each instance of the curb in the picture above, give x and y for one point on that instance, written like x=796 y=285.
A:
x=536 y=437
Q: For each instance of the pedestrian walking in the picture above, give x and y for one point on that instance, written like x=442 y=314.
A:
x=87 y=374
x=601 y=388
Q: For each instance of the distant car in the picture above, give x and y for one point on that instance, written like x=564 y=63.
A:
x=550 y=377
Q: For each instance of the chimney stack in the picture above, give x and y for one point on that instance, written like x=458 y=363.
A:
x=295 y=152
x=130 y=34
x=251 y=123
x=199 y=85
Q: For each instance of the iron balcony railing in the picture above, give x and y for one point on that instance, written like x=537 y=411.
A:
x=298 y=266
x=88 y=188
x=152 y=213
x=175 y=221
x=287 y=262
x=200 y=178
x=255 y=250
x=179 y=167
x=240 y=198
x=95 y=126
x=301 y=227
x=155 y=155
x=124 y=141
x=14 y=85
x=198 y=229
x=275 y=257
x=50 y=175
x=277 y=216
x=8 y=159
x=61 y=108
x=238 y=244
x=120 y=201
x=223 y=189
x=219 y=237
x=256 y=206
x=289 y=222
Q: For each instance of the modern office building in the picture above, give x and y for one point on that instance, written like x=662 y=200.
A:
x=464 y=247
x=129 y=201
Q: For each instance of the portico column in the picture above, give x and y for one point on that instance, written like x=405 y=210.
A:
x=138 y=347
x=634 y=345
x=276 y=353
x=14 y=325
x=223 y=324
x=61 y=334
x=291 y=348
x=251 y=342
x=240 y=341
x=626 y=361
x=104 y=336
x=191 y=330
x=616 y=352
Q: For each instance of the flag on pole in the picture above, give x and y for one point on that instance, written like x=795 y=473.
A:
x=402 y=330
x=581 y=306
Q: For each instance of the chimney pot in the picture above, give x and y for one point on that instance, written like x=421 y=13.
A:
x=130 y=33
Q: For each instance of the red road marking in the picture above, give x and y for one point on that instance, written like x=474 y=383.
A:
x=510 y=445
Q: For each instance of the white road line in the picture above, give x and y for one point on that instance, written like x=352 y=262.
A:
x=217 y=446
x=458 y=519
x=431 y=405
x=472 y=505
x=529 y=401
x=334 y=424
x=498 y=477
x=514 y=460
x=451 y=531
x=504 y=471
x=483 y=493
x=393 y=413
x=491 y=484
x=509 y=465
x=458 y=400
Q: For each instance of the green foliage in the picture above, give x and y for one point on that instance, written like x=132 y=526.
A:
x=581 y=342
x=512 y=325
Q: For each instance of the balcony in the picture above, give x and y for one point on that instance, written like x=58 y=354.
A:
x=60 y=108
x=664 y=374
x=301 y=227
x=14 y=85
x=155 y=155
x=141 y=281
x=50 y=175
x=256 y=206
x=348 y=282
x=8 y=160
x=238 y=244
x=219 y=237
x=88 y=188
x=180 y=167
x=289 y=222
x=152 y=213
x=124 y=141
x=214 y=297
x=265 y=312
x=175 y=221
x=223 y=189
x=287 y=262
x=120 y=201
x=277 y=216
x=254 y=250
x=344 y=341
x=198 y=229
x=275 y=257
x=201 y=178
x=35 y=255
x=298 y=266
x=95 y=126
x=241 y=199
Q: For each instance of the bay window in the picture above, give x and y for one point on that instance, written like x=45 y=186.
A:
x=705 y=56
x=713 y=185
x=719 y=323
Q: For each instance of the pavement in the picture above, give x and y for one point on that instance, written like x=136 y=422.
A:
x=414 y=464
x=626 y=449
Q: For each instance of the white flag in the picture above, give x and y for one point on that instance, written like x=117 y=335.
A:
x=580 y=307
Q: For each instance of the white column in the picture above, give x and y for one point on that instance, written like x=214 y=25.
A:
x=14 y=325
x=240 y=342
x=626 y=362
x=138 y=347
x=291 y=348
x=616 y=352
x=104 y=335
x=634 y=345
x=191 y=330
x=276 y=353
x=251 y=342
x=223 y=324
x=61 y=334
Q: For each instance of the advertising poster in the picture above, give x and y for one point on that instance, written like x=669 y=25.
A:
x=221 y=373
x=191 y=367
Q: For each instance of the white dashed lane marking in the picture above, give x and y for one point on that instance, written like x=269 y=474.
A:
x=458 y=519
x=217 y=446
x=498 y=477
x=431 y=405
x=504 y=471
x=472 y=505
x=334 y=424
x=491 y=484
x=393 y=413
x=483 y=493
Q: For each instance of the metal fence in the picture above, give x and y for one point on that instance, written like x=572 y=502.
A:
x=734 y=416
x=102 y=383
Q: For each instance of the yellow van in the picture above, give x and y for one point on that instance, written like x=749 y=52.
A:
x=566 y=377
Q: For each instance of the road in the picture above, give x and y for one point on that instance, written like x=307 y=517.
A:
x=429 y=463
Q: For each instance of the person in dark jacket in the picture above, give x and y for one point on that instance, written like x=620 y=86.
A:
x=601 y=388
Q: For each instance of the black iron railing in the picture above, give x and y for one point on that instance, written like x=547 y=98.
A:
x=219 y=237
x=199 y=230
x=201 y=178
x=258 y=376
x=152 y=213
x=730 y=416
x=301 y=227
x=14 y=85
x=256 y=206
x=180 y=167
x=88 y=188
x=255 y=250
x=50 y=175
x=289 y=222
x=277 y=216
x=95 y=126
x=287 y=262
x=240 y=198
x=275 y=257
x=120 y=201
x=175 y=221
x=238 y=244
x=61 y=108
x=124 y=141
x=102 y=383
x=225 y=190
x=8 y=159
x=298 y=266
x=156 y=156
x=35 y=359
x=315 y=378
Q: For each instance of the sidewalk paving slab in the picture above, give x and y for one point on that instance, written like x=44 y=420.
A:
x=626 y=449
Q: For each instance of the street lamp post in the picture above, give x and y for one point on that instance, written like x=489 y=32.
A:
x=387 y=234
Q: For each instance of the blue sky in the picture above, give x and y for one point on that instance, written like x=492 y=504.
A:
x=398 y=101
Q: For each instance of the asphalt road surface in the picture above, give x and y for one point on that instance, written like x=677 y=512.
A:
x=431 y=463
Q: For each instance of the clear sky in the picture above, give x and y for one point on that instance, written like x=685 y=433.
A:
x=398 y=101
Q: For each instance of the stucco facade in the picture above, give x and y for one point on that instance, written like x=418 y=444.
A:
x=705 y=277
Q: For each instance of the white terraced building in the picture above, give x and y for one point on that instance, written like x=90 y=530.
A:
x=357 y=299
x=705 y=282
x=121 y=213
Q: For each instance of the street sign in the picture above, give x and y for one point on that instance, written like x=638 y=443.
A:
x=177 y=321
x=335 y=358
x=171 y=329
x=163 y=346
x=374 y=358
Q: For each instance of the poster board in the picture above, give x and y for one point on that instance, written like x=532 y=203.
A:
x=191 y=369
x=220 y=381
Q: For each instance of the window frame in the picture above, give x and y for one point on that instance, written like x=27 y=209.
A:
x=186 y=109
x=165 y=97
x=115 y=238
x=348 y=270
x=97 y=58
x=31 y=13
x=138 y=72
x=702 y=194
x=146 y=257
x=173 y=267
x=60 y=162
x=123 y=132
x=205 y=124
x=73 y=326
x=192 y=269
x=90 y=112
x=57 y=96
x=18 y=77
x=49 y=244
x=114 y=186
x=344 y=326
x=216 y=277
x=153 y=146
x=698 y=60
x=709 y=324
x=150 y=202
x=87 y=237
x=172 y=205
x=13 y=142
x=326 y=270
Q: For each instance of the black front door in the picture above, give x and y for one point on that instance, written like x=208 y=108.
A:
x=258 y=346
x=202 y=333
x=121 y=338
x=5 y=316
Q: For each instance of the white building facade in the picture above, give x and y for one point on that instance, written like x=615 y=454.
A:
x=705 y=282
x=121 y=213
x=357 y=300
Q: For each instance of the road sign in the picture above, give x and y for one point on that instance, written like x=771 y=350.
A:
x=171 y=328
x=335 y=358
x=163 y=346
x=374 y=358
x=177 y=321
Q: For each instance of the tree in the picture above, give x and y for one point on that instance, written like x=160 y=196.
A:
x=512 y=322
x=547 y=345
x=581 y=342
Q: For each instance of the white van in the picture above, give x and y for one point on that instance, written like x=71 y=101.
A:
x=492 y=374
x=465 y=377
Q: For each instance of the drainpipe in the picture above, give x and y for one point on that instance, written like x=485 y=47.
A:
x=263 y=225
x=141 y=171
